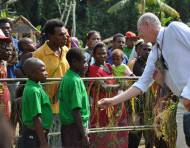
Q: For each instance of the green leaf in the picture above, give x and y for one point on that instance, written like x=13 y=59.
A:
x=151 y=2
x=38 y=27
x=169 y=10
x=166 y=21
x=118 y=6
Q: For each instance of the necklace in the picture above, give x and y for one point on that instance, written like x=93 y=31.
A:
x=106 y=69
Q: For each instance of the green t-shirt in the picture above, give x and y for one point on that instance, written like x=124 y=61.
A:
x=72 y=95
x=119 y=70
x=36 y=102
x=127 y=51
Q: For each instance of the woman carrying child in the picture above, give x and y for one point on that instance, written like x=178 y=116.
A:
x=113 y=116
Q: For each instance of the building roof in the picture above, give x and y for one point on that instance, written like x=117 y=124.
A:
x=23 y=25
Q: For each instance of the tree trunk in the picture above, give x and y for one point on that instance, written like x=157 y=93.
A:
x=143 y=3
x=74 y=19
x=68 y=14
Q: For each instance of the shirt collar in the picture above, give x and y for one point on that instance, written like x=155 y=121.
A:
x=48 y=51
x=160 y=36
x=73 y=73
x=33 y=83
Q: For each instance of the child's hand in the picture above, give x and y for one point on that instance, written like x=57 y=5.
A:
x=85 y=142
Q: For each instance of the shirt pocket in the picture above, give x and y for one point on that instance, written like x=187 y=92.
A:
x=44 y=98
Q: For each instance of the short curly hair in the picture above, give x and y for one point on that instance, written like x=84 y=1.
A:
x=50 y=26
x=74 y=54
x=5 y=20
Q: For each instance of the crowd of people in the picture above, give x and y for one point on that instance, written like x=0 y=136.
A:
x=72 y=106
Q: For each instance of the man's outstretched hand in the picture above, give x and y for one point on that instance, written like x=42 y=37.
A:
x=105 y=102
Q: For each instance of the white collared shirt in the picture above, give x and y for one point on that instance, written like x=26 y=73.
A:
x=176 y=52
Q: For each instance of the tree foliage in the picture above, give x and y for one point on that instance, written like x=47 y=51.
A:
x=97 y=14
x=183 y=7
x=149 y=3
x=98 y=18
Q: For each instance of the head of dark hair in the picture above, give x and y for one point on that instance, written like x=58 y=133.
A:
x=74 y=54
x=5 y=20
x=92 y=32
x=30 y=66
x=98 y=45
x=50 y=26
x=23 y=42
x=117 y=35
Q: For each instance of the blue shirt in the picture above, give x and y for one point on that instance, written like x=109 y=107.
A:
x=15 y=43
x=88 y=56
x=11 y=69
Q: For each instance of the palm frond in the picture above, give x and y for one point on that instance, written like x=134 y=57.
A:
x=118 y=6
x=10 y=2
x=169 y=10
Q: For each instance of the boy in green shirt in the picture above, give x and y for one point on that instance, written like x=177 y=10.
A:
x=36 y=109
x=74 y=103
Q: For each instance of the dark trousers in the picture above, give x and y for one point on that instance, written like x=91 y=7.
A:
x=186 y=127
x=135 y=138
x=160 y=143
x=70 y=136
x=30 y=139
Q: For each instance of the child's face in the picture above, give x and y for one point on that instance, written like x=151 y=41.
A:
x=40 y=74
x=100 y=55
x=81 y=64
x=117 y=59
x=30 y=46
x=5 y=51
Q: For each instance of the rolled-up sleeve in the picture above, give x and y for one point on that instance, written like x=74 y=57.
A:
x=186 y=91
x=146 y=79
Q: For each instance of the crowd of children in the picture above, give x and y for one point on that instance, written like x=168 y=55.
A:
x=70 y=107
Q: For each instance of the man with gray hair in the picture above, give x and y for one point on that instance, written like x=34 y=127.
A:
x=172 y=46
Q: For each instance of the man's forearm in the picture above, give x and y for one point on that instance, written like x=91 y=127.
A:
x=127 y=95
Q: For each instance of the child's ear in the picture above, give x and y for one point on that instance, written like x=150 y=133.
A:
x=74 y=61
x=33 y=72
